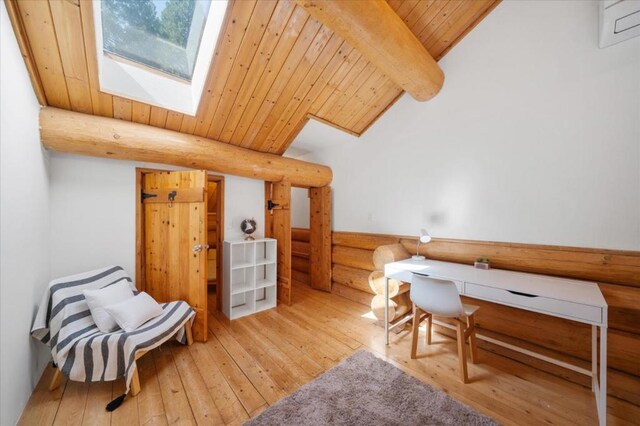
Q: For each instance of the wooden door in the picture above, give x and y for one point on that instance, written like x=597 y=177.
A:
x=175 y=240
x=278 y=226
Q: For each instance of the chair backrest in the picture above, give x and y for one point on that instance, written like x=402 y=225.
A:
x=439 y=297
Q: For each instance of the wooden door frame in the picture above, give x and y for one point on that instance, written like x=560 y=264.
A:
x=140 y=255
x=220 y=236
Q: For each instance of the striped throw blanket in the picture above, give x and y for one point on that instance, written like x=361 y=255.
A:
x=84 y=353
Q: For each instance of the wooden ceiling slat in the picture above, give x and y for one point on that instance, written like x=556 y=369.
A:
x=438 y=19
x=286 y=91
x=311 y=80
x=299 y=117
x=68 y=29
x=158 y=117
x=432 y=12
x=174 y=121
x=295 y=85
x=457 y=29
x=282 y=53
x=140 y=112
x=38 y=24
x=362 y=97
x=416 y=16
x=266 y=49
x=122 y=108
x=242 y=62
x=280 y=81
x=385 y=92
x=350 y=60
x=455 y=15
x=188 y=124
x=387 y=100
x=25 y=49
x=235 y=30
x=356 y=70
x=102 y=102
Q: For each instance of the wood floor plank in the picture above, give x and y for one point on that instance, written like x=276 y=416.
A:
x=127 y=413
x=150 y=404
x=250 y=367
x=72 y=405
x=224 y=398
x=99 y=394
x=174 y=397
x=43 y=404
x=202 y=406
x=241 y=385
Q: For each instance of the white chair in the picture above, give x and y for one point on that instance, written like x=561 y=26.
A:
x=431 y=296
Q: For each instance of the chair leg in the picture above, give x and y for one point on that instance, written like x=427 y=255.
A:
x=56 y=380
x=471 y=327
x=135 y=383
x=429 y=323
x=416 y=329
x=187 y=330
x=462 y=353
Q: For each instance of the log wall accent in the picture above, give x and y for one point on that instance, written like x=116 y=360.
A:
x=84 y=134
x=300 y=250
x=617 y=272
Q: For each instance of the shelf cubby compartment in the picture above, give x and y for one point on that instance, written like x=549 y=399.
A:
x=243 y=254
x=242 y=304
x=265 y=252
x=243 y=279
x=266 y=275
x=265 y=298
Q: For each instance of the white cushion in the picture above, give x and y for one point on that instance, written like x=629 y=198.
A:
x=133 y=312
x=100 y=298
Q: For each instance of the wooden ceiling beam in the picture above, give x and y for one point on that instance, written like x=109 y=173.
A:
x=375 y=29
x=83 y=134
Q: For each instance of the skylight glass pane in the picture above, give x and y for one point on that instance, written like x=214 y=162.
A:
x=161 y=34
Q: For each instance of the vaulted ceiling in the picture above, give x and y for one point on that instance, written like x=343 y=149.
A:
x=274 y=68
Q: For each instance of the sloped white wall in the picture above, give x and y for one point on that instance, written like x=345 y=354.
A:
x=24 y=228
x=534 y=138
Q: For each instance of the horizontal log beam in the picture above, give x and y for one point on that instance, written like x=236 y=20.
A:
x=375 y=29
x=76 y=133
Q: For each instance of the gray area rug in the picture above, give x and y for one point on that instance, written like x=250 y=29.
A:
x=365 y=390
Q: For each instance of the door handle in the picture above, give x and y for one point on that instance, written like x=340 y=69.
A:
x=198 y=247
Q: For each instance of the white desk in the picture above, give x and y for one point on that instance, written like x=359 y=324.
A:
x=579 y=301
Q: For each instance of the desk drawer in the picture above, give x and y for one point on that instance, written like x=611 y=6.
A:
x=561 y=308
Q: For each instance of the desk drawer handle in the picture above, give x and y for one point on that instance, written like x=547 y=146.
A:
x=522 y=294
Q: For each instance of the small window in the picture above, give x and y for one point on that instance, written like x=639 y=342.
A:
x=157 y=51
x=161 y=34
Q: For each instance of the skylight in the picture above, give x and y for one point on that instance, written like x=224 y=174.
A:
x=157 y=51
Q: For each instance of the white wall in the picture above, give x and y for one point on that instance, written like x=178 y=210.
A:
x=93 y=204
x=300 y=208
x=534 y=138
x=24 y=229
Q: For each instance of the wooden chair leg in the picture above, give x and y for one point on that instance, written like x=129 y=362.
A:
x=189 y=334
x=429 y=323
x=462 y=353
x=56 y=380
x=135 y=383
x=471 y=327
x=416 y=329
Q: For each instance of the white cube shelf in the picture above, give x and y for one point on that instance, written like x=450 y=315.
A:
x=250 y=277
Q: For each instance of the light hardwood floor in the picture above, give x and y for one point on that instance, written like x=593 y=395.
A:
x=250 y=364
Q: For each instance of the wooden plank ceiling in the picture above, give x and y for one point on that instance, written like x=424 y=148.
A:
x=274 y=68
